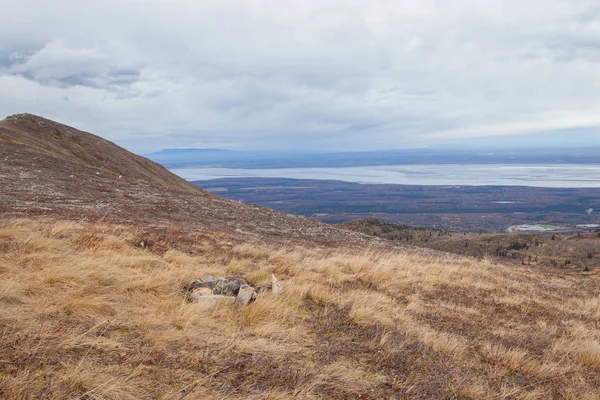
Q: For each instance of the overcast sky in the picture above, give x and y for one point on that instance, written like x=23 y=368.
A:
x=307 y=74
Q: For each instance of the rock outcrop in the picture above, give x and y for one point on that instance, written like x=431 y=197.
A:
x=209 y=289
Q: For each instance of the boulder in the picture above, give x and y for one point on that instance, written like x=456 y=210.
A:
x=244 y=295
x=199 y=292
x=226 y=287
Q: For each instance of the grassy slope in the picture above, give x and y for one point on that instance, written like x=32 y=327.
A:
x=569 y=251
x=86 y=314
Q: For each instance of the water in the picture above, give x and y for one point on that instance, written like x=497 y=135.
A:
x=550 y=175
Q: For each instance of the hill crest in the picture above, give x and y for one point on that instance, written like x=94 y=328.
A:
x=68 y=144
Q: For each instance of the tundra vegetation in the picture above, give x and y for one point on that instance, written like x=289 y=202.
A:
x=87 y=313
x=570 y=251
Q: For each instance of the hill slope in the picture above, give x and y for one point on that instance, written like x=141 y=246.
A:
x=51 y=169
x=30 y=138
x=85 y=314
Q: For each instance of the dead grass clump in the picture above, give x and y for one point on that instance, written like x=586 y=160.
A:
x=89 y=307
x=322 y=295
x=589 y=354
x=89 y=239
x=282 y=308
x=11 y=292
x=368 y=307
x=179 y=258
x=513 y=359
x=250 y=251
x=344 y=379
x=154 y=284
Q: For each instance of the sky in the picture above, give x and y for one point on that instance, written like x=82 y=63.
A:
x=333 y=75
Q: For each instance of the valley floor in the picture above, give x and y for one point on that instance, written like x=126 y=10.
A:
x=448 y=207
x=86 y=313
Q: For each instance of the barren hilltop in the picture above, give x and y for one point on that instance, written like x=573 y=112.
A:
x=98 y=247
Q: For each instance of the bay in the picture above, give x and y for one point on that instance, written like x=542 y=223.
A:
x=548 y=175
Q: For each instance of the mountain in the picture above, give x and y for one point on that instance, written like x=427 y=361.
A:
x=202 y=156
x=179 y=158
x=170 y=152
x=47 y=168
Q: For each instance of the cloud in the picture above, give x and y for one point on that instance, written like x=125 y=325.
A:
x=328 y=74
x=57 y=64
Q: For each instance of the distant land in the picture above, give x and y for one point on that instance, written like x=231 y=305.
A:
x=184 y=158
x=453 y=189
x=451 y=207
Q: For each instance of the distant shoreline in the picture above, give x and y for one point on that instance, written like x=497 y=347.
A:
x=533 y=175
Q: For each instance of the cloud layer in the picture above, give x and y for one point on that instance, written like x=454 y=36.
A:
x=327 y=74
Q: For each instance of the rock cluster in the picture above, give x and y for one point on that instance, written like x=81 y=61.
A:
x=209 y=289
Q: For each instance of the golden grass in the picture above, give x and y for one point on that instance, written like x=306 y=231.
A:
x=86 y=314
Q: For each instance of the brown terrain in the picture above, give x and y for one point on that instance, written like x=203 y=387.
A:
x=88 y=313
x=50 y=169
x=456 y=208
x=564 y=251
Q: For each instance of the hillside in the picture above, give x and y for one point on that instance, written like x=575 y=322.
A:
x=50 y=169
x=35 y=141
x=86 y=314
x=95 y=260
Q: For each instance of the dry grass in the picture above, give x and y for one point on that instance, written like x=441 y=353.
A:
x=86 y=314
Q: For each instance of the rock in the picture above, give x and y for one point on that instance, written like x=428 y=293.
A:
x=199 y=292
x=276 y=286
x=208 y=278
x=226 y=287
x=196 y=284
x=257 y=290
x=214 y=298
x=210 y=285
x=244 y=295
x=240 y=279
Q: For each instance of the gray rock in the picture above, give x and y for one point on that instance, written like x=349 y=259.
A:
x=226 y=287
x=214 y=298
x=244 y=295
